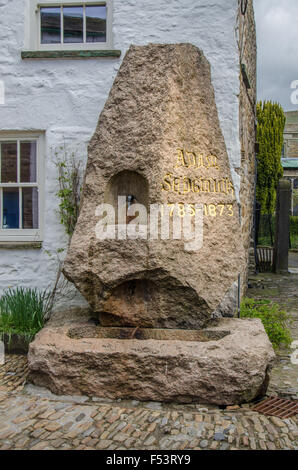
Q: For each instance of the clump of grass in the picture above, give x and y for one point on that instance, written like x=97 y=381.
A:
x=23 y=312
x=275 y=320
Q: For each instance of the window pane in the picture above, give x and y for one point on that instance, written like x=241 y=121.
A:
x=10 y=208
x=9 y=162
x=96 y=18
x=50 y=25
x=73 y=24
x=28 y=162
x=30 y=208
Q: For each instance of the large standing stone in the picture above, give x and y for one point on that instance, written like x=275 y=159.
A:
x=158 y=141
x=158 y=138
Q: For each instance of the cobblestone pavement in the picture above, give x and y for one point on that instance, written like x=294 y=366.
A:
x=13 y=373
x=33 y=418
x=284 y=291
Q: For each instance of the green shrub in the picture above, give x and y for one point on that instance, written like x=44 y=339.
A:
x=294 y=231
x=23 y=311
x=274 y=319
x=271 y=122
x=294 y=225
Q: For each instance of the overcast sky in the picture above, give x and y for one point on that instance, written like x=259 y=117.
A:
x=277 y=38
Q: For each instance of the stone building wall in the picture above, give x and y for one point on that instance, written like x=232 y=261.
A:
x=291 y=146
x=290 y=156
x=291 y=135
x=247 y=107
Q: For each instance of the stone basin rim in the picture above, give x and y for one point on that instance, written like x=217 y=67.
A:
x=80 y=332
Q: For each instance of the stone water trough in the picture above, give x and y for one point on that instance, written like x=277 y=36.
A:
x=224 y=364
x=156 y=328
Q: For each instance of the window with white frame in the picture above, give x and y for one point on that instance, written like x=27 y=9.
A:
x=21 y=185
x=70 y=24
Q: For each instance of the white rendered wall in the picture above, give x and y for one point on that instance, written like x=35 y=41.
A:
x=64 y=97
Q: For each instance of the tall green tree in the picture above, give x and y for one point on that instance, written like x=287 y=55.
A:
x=270 y=128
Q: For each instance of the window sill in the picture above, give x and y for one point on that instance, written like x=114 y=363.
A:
x=70 y=54
x=20 y=245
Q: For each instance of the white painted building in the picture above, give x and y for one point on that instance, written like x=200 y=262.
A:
x=54 y=81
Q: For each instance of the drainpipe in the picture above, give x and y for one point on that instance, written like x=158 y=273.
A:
x=239 y=275
x=255 y=204
x=239 y=294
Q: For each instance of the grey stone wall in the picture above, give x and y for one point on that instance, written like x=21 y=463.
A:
x=247 y=116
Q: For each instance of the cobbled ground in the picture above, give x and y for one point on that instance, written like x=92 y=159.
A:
x=33 y=418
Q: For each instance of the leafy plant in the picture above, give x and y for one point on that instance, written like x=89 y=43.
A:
x=275 y=320
x=69 y=177
x=294 y=231
x=62 y=288
x=270 y=128
x=23 y=311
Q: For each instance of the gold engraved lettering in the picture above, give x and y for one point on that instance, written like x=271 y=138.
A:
x=230 y=188
x=221 y=186
x=221 y=209
x=181 y=210
x=195 y=186
x=191 y=159
x=215 y=164
x=213 y=186
x=206 y=186
x=186 y=185
x=231 y=211
x=183 y=185
x=167 y=184
x=208 y=161
x=181 y=159
x=212 y=162
x=200 y=161
x=187 y=159
x=172 y=207
x=212 y=210
x=192 y=210
x=176 y=184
